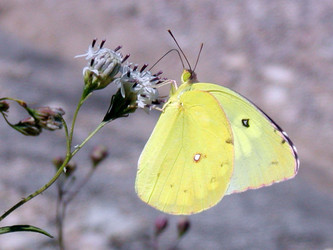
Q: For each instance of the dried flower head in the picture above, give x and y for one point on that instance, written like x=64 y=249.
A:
x=49 y=118
x=28 y=126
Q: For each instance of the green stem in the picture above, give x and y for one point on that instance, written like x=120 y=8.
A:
x=39 y=191
x=77 y=148
x=62 y=206
x=47 y=185
x=58 y=173
x=12 y=99
x=4 y=116
x=61 y=210
x=59 y=217
x=79 y=187
x=74 y=120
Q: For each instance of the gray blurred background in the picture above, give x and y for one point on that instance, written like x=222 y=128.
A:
x=277 y=53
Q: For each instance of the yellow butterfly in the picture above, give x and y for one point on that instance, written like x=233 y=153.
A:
x=208 y=142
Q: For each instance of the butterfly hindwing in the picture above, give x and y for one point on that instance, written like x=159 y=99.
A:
x=263 y=152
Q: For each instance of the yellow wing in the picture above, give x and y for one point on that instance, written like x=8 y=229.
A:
x=263 y=152
x=187 y=163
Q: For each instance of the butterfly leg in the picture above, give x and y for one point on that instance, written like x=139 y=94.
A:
x=174 y=84
x=167 y=82
x=158 y=109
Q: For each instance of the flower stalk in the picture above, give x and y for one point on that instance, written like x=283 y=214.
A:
x=137 y=88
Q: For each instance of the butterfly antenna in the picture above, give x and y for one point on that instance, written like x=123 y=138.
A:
x=196 y=62
x=180 y=49
x=181 y=59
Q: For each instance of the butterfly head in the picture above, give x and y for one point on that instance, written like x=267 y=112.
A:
x=189 y=76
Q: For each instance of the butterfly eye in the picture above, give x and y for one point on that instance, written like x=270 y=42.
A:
x=186 y=76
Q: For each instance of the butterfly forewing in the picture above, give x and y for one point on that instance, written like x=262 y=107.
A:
x=187 y=163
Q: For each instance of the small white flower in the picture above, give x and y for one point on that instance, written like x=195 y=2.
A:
x=137 y=88
x=139 y=85
x=104 y=64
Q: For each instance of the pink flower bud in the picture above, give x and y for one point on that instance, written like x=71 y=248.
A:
x=98 y=154
x=161 y=224
x=183 y=226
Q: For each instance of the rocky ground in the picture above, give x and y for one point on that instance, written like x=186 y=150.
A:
x=279 y=55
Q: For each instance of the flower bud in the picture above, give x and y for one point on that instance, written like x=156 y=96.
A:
x=161 y=224
x=49 y=118
x=98 y=154
x=183 y=226
x=58 y=161
x=4 y=106
x=70 y=168
x=28 y=127
x=119 y=107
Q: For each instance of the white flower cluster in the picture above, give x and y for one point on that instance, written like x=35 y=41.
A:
x=102 y=61
x=106 y=66
x=141 y=83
